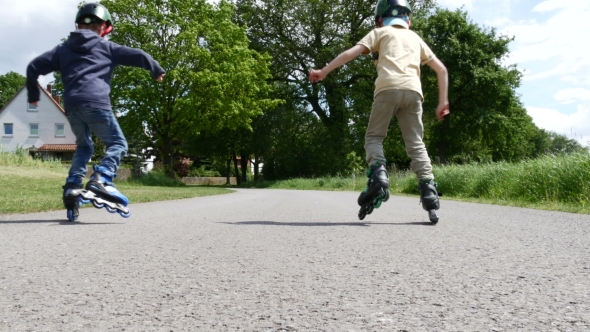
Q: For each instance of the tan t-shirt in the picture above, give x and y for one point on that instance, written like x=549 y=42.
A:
x=401 y=52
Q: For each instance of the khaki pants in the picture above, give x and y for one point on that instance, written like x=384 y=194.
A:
x=407 y=106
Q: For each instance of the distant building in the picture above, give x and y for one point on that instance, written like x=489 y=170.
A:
x=43 y=130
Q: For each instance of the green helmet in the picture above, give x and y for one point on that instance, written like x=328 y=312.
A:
x=392 y=8
x=93 y=13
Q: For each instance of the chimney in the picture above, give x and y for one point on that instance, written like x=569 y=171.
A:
x=49 y=89
x=57 y=100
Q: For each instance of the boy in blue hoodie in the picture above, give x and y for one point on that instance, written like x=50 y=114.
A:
x=86 y=62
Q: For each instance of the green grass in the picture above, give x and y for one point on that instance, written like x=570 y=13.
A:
x=560 y=183
x=28 y=185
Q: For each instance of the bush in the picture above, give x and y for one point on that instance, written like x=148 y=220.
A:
x=181 y=169
x=156 y=178
x=202 y=172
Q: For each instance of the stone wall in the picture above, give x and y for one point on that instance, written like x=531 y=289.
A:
x=208 y=180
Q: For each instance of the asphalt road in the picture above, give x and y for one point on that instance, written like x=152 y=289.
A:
x=279 y=260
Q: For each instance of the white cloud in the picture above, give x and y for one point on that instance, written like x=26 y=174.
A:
x=454 y=4
x=575 y=126
x=549 y=5
x=572 y=95
x=554 y=47
x=32 y=27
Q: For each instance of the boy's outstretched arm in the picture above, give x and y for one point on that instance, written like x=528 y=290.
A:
x=345 y=57
x=439 y=68
x=41 y=65
x=134 y=57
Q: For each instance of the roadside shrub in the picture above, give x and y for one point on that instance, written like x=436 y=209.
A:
x=155 y=178
x=202 y=172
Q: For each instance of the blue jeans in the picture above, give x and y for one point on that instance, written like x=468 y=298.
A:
x=86 y=120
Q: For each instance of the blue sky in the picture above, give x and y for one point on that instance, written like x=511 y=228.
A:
x=550 y=48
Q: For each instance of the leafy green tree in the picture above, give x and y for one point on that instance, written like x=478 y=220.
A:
x=487 y=120
x=304 y=34
x=562 y=144
x=213 y=80
x=10 y=84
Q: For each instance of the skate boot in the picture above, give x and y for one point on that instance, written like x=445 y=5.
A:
x=101 y=191
x=429 y=199
x=376 y=192
x=71 y=199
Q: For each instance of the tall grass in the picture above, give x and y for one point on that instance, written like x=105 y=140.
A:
x=21 y=157
x=558 y=182
x=551 y=179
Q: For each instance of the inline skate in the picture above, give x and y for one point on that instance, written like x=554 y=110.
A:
x=71 y=200
x=101 y=192
x=429 y=199
x=376 y=192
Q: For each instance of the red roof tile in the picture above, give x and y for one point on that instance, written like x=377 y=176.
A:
x=58 y=147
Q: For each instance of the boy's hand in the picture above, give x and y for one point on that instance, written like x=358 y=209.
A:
x=316 y=75
x=442 y=110
x=160 y=78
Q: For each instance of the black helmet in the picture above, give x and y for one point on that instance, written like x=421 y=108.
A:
x=392 y=8
x=93 y=13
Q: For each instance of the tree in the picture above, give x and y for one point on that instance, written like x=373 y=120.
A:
x=213 y=80
x=10 y=84
x=304 y=34
x=561 y=144
x=487 y=121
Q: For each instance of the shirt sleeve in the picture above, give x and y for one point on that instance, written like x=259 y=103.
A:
x=133 y=57
x=41 y=65
x=370 y=41
x=426 y=54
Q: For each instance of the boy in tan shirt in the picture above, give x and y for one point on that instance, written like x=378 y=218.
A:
x=399 y=53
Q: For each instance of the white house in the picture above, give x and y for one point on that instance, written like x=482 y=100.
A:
x=42 y=129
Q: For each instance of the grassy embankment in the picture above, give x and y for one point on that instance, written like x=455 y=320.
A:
x=28 y=185
x=560 y=183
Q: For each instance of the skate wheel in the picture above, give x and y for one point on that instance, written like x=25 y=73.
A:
x=362 y=215
x=71 y=215
x=370 y=209
x=433 y=217
x=125 y=215
x=386 y=198
x=97 y=205
x=378 y=204
x=110 y=210
x=84 y=201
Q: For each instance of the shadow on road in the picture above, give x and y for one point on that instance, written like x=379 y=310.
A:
x=57 y=222
x=361 y=224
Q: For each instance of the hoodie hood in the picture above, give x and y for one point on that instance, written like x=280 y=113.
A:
x=82 y=41
x=401 y=21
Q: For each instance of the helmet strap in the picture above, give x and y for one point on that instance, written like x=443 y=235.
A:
x=108 y=30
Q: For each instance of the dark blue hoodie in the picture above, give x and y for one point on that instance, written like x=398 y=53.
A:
x=86 y=62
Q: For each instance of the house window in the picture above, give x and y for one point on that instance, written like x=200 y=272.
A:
x=8 y=129
x=60 y=130
x=34 y=129
x=32 y=108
